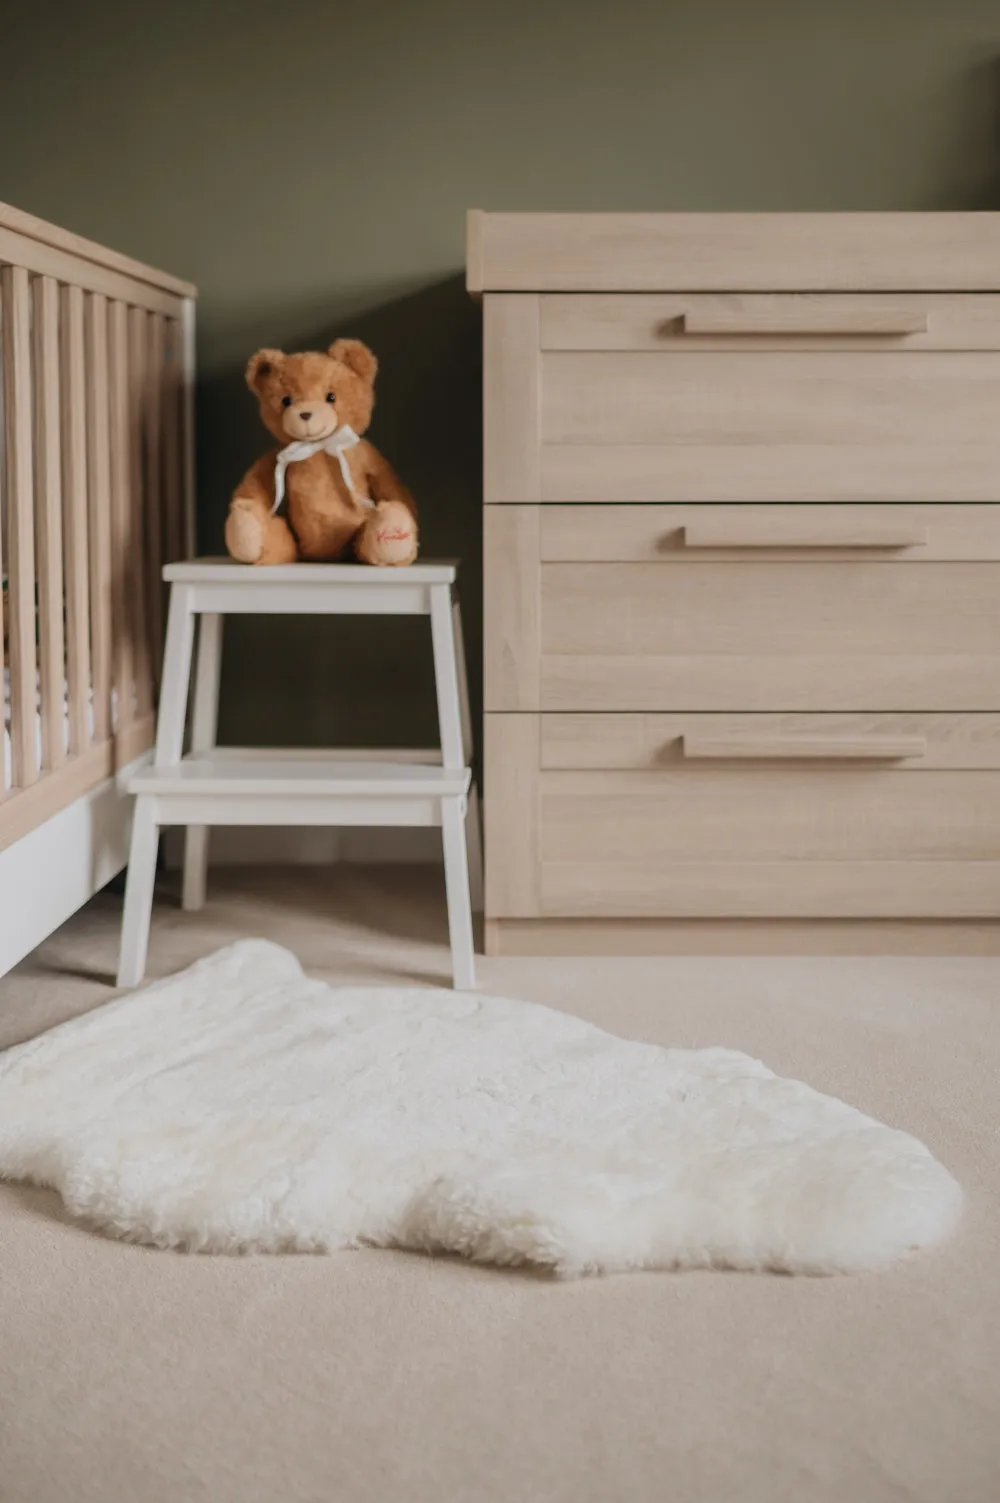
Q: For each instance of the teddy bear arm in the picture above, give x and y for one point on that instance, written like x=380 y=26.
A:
x=383 y=482
x=257 y=484
x=253 y=535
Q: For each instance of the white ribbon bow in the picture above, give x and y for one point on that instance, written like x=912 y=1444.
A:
x=337 y=444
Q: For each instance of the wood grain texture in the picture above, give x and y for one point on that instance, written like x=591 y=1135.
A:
x=645 y=742
x=138 y=377
x=769 y=426
x=511 y=608
x=135 y=738
x=751 y=633
x=674 y=534
x=510 y=398
x=769 y=693
x=665 y=321
x=771 y=608
x=65 y=266
x=905 y=472
x=99 y=525
x=783 y=839
x=123 y=550
x=748 y=812
x=642 y=534
x=15 y=334
x=510 y=806
x=187 y=361
x=57 y=789
x=741 y=937
x=48 y=521
x=153 y=491
x=39 y=230
x=742 y=252
x=76 y=505
x=172 y=425
x=771 y=889
x=755 y=681
x=779 y=400
x=53 y=791
x=474 y=225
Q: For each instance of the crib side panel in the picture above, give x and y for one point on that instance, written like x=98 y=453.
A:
x=96 y=436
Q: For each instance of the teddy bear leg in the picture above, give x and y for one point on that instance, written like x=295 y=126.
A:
x=254 y=536
x=387 y=537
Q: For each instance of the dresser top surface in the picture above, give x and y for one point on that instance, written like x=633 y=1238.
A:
x=821 y=252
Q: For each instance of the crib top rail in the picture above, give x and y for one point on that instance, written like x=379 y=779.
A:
x=48 y=250
x=52 y=234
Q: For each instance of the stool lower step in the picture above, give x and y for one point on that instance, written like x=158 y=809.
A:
x=264 y=772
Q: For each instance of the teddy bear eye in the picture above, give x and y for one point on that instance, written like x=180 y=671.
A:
x=286 y=401
x=330 y=397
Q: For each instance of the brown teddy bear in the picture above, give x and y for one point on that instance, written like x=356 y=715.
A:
x=340 y=496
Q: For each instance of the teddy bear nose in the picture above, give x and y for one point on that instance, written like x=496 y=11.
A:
x=305 y=416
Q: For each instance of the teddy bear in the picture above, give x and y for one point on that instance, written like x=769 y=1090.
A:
x=337 y=495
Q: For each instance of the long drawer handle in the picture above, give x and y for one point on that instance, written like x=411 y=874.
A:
x=819 y=323
x=730 y=532
x=705 y=748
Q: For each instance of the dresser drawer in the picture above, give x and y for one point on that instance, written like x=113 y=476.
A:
x=687 y=323
x=743 y=608
x=700 y=534
x=759 y=816
x=769 y=398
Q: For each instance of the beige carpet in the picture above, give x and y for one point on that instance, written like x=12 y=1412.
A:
x=131 y=1376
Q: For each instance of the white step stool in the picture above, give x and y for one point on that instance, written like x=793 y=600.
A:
x=247 y=786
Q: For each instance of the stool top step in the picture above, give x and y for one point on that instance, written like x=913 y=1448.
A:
x=228 y=571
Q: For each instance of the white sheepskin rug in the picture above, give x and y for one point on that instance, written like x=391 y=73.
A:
x=242 y=1107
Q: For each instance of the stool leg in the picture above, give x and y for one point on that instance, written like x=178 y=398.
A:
x=138 y=894
x=465 y=715
x=474 y=850
x=204 y=720
x=473 y=819
x=446 y=678
x=456 y=878
x=176 y=673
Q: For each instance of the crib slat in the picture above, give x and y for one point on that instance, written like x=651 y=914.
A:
x=137 y=551
x=75 y=519
x=15 y=330
x=4 y=602
x=173 y=444
x=3 y=585
x=98 y=446
x=188 y=356
x=121 y=521
x=48 y=520
x=155 y=375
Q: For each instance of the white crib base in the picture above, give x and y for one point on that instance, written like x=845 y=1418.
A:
x=53 y=870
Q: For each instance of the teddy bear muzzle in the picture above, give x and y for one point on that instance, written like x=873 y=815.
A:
x=313 y=419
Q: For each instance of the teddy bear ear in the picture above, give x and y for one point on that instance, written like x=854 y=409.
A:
x=261 y=365
x=356 y=356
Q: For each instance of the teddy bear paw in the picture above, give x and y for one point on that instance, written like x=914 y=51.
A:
x=244 y=532
x=390 y=538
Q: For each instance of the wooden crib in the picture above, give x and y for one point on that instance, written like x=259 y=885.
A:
x=96 y=494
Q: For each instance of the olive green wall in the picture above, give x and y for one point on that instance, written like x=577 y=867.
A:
x=309 y=167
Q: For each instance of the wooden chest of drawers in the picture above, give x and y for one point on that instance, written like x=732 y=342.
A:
x=742 y=581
